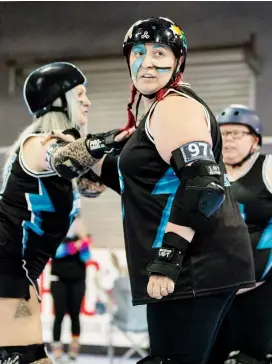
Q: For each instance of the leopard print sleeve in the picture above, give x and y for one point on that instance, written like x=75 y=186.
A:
x=70 y=160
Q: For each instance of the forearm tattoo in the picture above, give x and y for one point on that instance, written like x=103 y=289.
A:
x=69 y=160
x=89 y=188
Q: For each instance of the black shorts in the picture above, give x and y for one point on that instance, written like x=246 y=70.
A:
x=15 y=279
x=23 y=354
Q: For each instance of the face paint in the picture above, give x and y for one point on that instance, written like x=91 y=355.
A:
x=139 y=48
x=161 y=69
x=158 y=46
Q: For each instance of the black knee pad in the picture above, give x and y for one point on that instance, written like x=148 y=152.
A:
x=22 y=354
x=155 y=360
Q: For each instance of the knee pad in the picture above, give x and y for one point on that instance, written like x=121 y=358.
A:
x=155 y=360
x=22 y=354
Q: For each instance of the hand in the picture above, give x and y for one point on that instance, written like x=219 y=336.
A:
x=57 y=134
x=160 y=286
x=124 y=134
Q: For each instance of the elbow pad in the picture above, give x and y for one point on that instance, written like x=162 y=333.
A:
x=200 y=193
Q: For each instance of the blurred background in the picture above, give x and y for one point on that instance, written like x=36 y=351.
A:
x=229 y=61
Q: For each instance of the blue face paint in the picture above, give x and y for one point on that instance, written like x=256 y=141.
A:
x=158 y=46
x=164 y=69
x=161 y=69
x=139 y=48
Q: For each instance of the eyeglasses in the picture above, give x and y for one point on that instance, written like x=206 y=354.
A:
x=235 y=134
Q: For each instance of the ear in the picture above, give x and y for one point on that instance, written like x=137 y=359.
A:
x=255 y=143
x=180 y=63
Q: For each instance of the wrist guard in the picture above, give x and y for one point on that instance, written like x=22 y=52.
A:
x=170 y=256
x=103 y=143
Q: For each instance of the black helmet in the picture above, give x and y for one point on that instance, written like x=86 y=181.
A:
x=157 y=30
x=44 y=85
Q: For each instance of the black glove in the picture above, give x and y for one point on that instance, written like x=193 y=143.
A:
x=103 y=143
x=169 y=259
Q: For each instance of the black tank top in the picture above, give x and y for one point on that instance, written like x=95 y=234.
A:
x=214 y=262
x=36 y=210
x=255 y=202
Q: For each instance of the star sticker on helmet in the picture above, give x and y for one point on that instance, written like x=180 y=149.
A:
x=176 y=30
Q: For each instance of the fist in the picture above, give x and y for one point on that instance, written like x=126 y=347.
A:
x=160 y=286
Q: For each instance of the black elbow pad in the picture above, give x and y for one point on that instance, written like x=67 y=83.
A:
x=200 y=193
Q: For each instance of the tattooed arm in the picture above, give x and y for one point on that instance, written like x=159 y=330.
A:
x=74 y=159
x=89 y=185
x=69 y=160
x=67 y=157
x=104 y=173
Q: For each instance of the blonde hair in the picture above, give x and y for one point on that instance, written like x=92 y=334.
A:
x=51 y=121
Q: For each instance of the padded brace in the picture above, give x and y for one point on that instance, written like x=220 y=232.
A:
x=200 y=193
x=169 y=259
x=103 y=143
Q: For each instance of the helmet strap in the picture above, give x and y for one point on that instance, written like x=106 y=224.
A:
x=137 y=106
x=59 y=109
x=247 y=157
x=63 y=108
